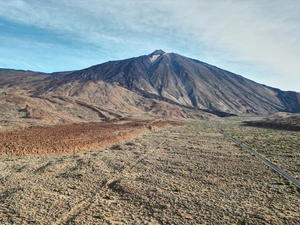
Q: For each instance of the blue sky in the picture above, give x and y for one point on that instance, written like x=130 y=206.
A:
x=259 y=40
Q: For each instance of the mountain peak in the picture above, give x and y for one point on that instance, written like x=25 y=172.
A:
x=155 y=55
x=157 y=52
x=187 y=82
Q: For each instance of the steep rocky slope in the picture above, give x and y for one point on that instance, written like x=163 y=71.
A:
x=156 y=85
x=178 y=79
x=24 y=104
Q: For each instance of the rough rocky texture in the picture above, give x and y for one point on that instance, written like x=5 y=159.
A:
x=285 y=121
x=24 y=104
x=178 y=79
x=158 y=85
x=179 y=175
x=73 y=138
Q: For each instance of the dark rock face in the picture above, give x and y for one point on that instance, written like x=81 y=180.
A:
x=187 y=82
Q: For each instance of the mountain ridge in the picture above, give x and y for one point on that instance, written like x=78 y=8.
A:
x=159 y=85
x=188 y=82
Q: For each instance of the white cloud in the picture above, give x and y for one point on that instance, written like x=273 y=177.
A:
x=261 y=33
x=259 y=39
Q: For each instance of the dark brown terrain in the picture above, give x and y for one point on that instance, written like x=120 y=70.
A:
x=73 y=138
x=284 y=121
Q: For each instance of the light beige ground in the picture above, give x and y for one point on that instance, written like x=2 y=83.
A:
x=179 y=175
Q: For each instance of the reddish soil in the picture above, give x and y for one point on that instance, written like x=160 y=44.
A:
x=73 y=138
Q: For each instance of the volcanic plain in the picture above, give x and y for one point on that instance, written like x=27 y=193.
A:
x=147 y=172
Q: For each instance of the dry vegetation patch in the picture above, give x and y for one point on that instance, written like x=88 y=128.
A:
x=73 y=138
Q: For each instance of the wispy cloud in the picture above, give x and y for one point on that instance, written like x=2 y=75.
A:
x=258 y=39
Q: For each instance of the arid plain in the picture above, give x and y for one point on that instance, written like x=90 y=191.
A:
x=176 y=174
x=94 y=146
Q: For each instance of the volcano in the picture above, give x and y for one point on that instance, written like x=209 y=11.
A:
x=159 y=84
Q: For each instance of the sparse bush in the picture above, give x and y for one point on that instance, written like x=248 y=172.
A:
x=116 y=147
x=150 y=127
x=178 y=189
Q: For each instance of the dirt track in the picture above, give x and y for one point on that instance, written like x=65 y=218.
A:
x=72 y=138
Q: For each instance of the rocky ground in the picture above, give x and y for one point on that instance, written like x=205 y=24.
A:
x=178 y=175
x=281 y=147
x=281 y=121
x=71 y=138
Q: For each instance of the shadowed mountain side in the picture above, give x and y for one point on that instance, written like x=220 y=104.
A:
x=10 y=77
x=120 y=101
x=186 y=82
x=160 y=85
x=82 y=102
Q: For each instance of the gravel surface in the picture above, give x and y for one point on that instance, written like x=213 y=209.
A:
x=178 y=175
